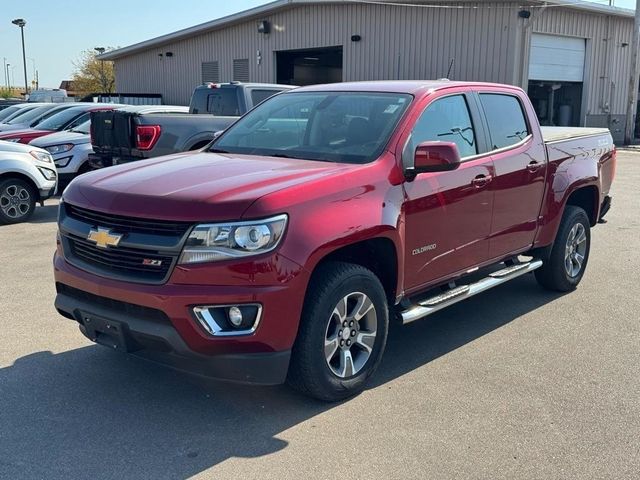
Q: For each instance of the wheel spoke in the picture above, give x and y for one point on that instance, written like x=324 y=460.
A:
x=578 y=259
x=330 y=347
x=582 y=236
x=346 y=364
x=362 y=308
x=366 y=340
x=341 y=309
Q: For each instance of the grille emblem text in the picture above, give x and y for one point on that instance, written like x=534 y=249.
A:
x=152 y=262
x=103 y=237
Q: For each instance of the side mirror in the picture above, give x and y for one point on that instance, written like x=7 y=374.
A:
x=435 y=157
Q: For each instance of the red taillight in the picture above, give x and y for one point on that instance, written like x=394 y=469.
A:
x=147 y=136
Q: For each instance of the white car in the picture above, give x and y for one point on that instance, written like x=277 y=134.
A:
x=27 y=175
x=70 y=150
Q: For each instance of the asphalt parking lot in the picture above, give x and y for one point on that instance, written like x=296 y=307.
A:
x=515 y=383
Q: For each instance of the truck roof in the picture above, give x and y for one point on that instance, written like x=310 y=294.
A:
x=396 y=86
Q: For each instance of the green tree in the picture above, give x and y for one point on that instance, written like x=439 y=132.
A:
x=92 y=75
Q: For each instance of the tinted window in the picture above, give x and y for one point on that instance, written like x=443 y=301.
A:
x=60 y=119
x=259 y=96
x=8 y=112
x=507 y=124
x=50 y=113
x=29 y=116
x=446 y=120
x=223 y=102
x=348 y=127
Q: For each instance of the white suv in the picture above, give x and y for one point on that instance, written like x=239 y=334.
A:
x=27 y=175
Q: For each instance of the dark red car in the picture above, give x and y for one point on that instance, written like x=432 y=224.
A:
x=64 y=120
x=283 y=250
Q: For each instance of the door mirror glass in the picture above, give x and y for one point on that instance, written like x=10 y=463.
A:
x=435 y=157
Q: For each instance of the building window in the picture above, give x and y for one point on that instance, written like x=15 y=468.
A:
x=241 y=70
x=210 y=72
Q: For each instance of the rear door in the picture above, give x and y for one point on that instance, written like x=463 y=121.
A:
x=448 y=214
x=520 y=166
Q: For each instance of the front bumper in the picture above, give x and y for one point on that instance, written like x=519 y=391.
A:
x=156 y=322
x=47 y=192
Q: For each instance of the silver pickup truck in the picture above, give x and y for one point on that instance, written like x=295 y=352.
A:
x=132 y=133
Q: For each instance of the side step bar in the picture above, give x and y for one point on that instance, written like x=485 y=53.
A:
x=457 y=294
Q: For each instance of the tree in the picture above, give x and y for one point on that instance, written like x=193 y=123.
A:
x=92 y=75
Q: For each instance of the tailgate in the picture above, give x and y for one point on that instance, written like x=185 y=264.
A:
x=112 y=132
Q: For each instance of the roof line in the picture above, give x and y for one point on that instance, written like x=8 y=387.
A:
x=270 y=7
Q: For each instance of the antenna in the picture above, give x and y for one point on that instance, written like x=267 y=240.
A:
x=450 y=67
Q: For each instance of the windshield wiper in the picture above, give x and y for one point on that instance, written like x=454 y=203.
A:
x=217 y=150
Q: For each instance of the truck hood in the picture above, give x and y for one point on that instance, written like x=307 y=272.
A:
x=192 y=186
x=61 y=137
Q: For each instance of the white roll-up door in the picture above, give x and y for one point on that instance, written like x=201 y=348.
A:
x=556 y=58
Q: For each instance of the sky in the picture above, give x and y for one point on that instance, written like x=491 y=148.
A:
x=57 y=32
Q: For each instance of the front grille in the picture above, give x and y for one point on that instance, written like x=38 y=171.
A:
x=130 y=309
x=129 y=262
x=124 y=224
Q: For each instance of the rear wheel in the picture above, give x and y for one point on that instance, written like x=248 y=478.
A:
x=343 y=332
x=17 y=200
x=568 y=259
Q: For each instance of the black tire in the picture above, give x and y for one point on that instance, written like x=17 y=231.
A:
x=310 y=372
x=554 y=274
x=17 y=200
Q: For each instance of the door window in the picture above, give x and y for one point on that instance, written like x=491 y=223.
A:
x=506 y=119
x=445 y=120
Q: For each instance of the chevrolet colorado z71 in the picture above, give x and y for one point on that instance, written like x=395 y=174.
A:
x=281 y=251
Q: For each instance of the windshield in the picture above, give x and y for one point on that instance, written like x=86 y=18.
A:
x=60 y=120
x=29 y=116
x=349 y=127
x=18 y=113
x=50 y=113
x=82 y=128
x=9 y=111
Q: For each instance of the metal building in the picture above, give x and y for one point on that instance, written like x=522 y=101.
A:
x=573 y=57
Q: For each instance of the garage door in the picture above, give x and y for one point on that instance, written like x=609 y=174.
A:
x=556 y=58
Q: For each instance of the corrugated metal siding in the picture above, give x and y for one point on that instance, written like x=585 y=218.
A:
x=607 y=62
x=397 y=42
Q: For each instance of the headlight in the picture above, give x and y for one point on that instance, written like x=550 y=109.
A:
x=54 y=149
x=222 y=241
x=42 y=156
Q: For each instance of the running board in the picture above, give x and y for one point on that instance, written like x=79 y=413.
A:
x=457 y=294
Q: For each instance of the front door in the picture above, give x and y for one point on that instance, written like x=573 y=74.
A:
x=448 y=214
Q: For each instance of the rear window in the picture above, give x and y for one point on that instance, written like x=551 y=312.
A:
x=8 y=112
x=60 y=119
x=259 y=96
x=507 y=122
x=223 y=102
x=28 y=116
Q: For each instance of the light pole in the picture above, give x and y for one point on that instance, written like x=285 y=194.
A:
x=7 y=70
x=4 y=70
x=100 y=51
x=21 y=23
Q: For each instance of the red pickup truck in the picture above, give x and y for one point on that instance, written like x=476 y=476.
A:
x=284 y=249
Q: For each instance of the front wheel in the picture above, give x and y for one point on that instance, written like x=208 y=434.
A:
x=567 y=262
x=17 y=200
x=343 y=332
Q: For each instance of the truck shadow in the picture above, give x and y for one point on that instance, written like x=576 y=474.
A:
x=46 y=214
x=92 y=413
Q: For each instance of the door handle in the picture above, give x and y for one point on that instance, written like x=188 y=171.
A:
x=534 y=166
x=481 y=180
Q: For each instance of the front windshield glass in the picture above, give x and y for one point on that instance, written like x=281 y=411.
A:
x=19 y=113
x=60 y=119
x=82 y=128
x=9 y=111
x=349 y=127
x=29 y=116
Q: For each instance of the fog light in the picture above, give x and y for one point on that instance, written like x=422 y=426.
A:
x=228 y=320
x=235 y=316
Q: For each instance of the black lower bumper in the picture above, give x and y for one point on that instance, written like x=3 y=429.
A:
x=101 y=161
x=148 y=335
x=45 y=193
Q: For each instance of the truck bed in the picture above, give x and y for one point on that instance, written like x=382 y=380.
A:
x=555 y=134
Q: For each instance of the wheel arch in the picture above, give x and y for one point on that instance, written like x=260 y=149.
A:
x=22 y=176
x=377 y=254
x=586 y=197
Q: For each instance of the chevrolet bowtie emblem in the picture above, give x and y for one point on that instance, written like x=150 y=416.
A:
x=103 y=237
